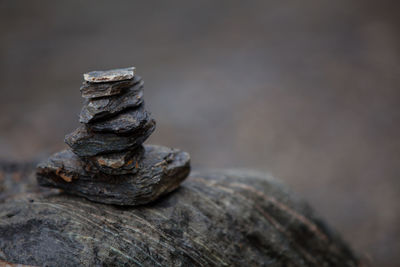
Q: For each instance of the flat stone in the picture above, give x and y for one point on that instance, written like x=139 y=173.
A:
x=125 y=122
x=160 y=171
x=109 y=75
x=86 y=143
x=126 y=162
x=94 y=90
x=97 y=108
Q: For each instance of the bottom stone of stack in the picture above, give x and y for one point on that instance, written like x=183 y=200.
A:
x=160 y=171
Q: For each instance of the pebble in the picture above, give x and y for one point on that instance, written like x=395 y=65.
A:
x=123 y=123
x=95 y=90
x=95 y=109
x=117 y=163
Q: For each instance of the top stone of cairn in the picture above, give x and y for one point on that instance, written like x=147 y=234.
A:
x=110 y=75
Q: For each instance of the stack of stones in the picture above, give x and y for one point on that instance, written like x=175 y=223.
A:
x=107 y=161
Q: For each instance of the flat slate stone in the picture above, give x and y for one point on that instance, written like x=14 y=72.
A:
x=86 y=143
x=95 y=90
x=126 y=162
x=125 y=122
x=160 y=171
x=109 y=75
x=97 y=108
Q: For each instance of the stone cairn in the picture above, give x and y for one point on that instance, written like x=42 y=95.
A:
x=107 y=161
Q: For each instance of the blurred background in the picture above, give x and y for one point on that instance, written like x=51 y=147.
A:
x=306 y=90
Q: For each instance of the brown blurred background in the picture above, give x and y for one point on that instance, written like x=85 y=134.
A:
x=306 y=90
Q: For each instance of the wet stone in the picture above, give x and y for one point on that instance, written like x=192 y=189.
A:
x=94 y=109
x=95 y=90
x=86 y=143
x=126 y=162
x=160 y=171
x=126 y=122
x=109 y=75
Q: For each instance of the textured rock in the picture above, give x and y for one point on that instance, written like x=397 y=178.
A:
x=95 y=90
x=109 y=75
x=85 y=143
x=94 y=109
x=117 y=163
x=126 y=122
x=160 y=171
x=215 y=218
x=8 y=264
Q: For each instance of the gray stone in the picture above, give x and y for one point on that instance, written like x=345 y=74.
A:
x=86 y=143
x=109 y=75
x=94 y=109
x=215 y=218
x=126 y=162
x=95 y=90
x=126 y=122
x=160 y=171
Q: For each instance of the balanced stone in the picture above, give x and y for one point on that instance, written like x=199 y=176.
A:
x=94 y=90
x=116 y=163
x=126 y=122
x=160 y=171
x=86 y=143
x=109 y=75
x=107 y=161
x=94 y=109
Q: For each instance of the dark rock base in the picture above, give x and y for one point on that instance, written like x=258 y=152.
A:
x=216 y=218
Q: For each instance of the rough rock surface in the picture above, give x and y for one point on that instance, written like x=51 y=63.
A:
x=125 y=122
x=97 y=108
x=159 y=171
x=109 y=75
x=216 y=218
x=87 y=143
x=117 y=163
x=95 y=90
